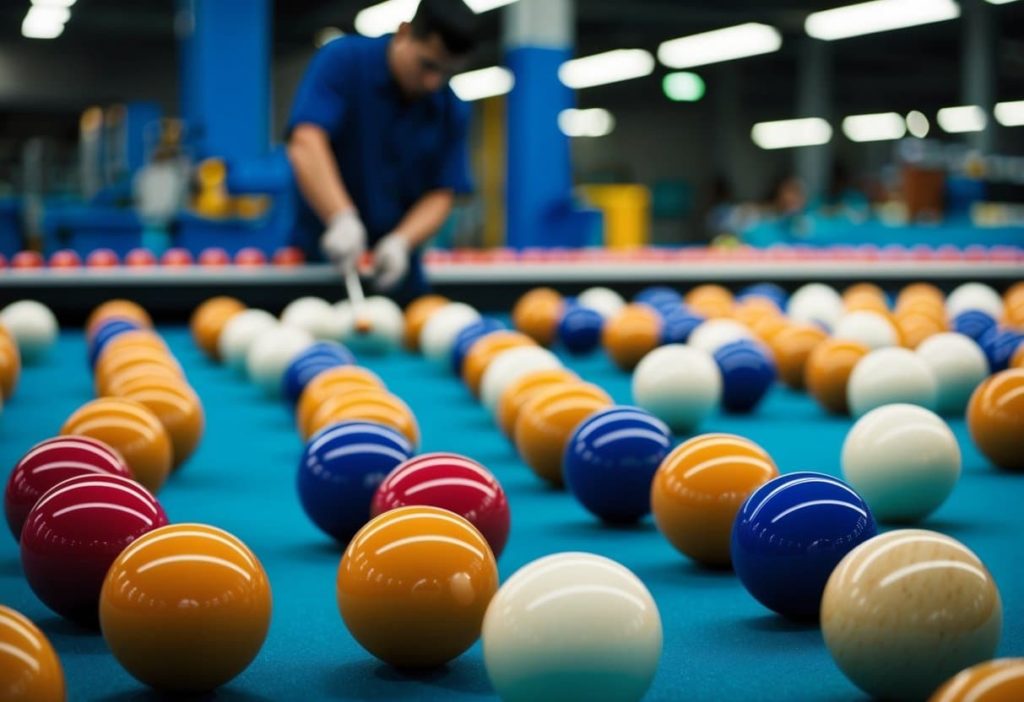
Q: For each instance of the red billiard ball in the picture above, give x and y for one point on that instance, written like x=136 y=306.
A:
x=140 y=258
x=250 y=257
x=214 y=257
x=177 y=258
x=3 y=261
x=75 y=532
x=102 y=258
x=453 y=482
x=50 y=462
x=289 y=256
x=65 y=258
x=26 y=260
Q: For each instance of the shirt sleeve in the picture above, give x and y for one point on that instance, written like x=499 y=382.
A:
x=322 y=98
x=454 y=174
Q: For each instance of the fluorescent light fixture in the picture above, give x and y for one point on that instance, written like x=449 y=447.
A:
x=878 y=16
x=683 y=86
x=883 y=126
x=595 y=122
x=54 y=3
x=1010 y=114
x=1000 y=2
x=917 y=124
x=481 y=6
x=743 y=40
x=790 y=133
x=484 y=83
x=44 y=22
x=609 y=67
x=384 y=18
x=965 y=118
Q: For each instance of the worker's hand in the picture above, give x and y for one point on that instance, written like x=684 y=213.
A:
x=390 y=261
x=345 y=240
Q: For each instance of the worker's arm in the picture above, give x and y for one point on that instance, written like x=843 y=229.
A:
x=391 y=255
x=316 y=171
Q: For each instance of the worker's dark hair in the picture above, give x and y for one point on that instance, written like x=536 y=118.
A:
x=451 y=20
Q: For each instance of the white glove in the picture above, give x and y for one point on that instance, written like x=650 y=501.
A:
x=345 y=240
x=390 y=260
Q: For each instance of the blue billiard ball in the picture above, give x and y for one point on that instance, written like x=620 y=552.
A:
x=309 y=364
x=469 y=336
x=611 y=459
x=791 y=533
x=677 y=326
x=770 y=291
x=340 y=470
x=974 y=323
x=748 y=373
x=107 y=332
x=580 y=330
x=999 y=345
x=658 y=295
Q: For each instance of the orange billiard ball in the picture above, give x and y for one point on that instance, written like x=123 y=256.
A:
x=333 y=381
x=209 y=320
x=185 y=608
x=414 y=584
x=710 y=301
x=920 y=291
x=486 y=349
x=416 y=316
x=537 y=314
x=995 y=417
x=915 y=326
x=122 y=309
x=368 y=405
x=631 y=334
x=792 y=346
x=29 y=668
x=176 y=405
x=522 y=389
x=699 y=488
x=1018 y=358
x=828 y=370
x=1000 y=680
x=116 y=365
x=10 y=364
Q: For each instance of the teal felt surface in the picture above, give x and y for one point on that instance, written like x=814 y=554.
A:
x=719 y=643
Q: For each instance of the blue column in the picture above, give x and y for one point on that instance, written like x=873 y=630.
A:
x=225 y=76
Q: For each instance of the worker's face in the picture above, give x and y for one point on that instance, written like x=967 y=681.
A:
x=421 y=66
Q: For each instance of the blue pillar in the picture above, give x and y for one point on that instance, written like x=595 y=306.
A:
x=540 y=209
x=225 y=76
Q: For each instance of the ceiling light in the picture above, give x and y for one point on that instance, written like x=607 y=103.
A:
x=609 y=67
x=917 y=124
x=966 y=118
x=883 y=126
x=1010 y=114
x=683 y=86
x=878 y=16
x=385 y=17
x=743 y=40
x=484 y=83
x=595 y=122
x=790 y=133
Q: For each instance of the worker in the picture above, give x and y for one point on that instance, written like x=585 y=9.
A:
x=377 y=143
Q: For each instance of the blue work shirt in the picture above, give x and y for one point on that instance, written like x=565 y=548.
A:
x=390 y=150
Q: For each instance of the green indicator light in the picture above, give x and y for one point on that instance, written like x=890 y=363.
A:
x=683 y=86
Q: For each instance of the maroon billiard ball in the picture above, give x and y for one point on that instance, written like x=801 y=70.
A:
x=75 y=532
x=214 y=257
x=177 y=258
x=50 y=462
x=452 y=482
x=289 y=256
x=65 y=259
x=250 y=257
x=102 y=258
x=27 y=260
x=140 y=258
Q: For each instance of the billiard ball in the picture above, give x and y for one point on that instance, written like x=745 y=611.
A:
x=50 y=462
x=185 y=608
x=73 y=534
x=119 y=309
x=386 y=326
x=611 y=459
x=314 y=315
x=27 y=260
x=890 y=376
x=995 y=417
x=604 y=301
x=369 y=404
x=748 y=373
x=333 y=381
x=209 y=320
x=250 y=257
x=579 y=331
x=828 y=370
x=768 y=291
x=711 y=301
x=310 y=363
x=679 y=385
x=270 y=354
x=453 y=482
x=699 y=488
x=546 y=423
x=999 y=346
x=214 y=257
x=678 y=325
x=339 y=472
x=752 y=309
x=959 y=366
x=509 y=366
x=999 y=680
x=792 y=346
x=975 y=296
x=908 y=609
x=65 y=259
x=537 y=314
x=288 y=257
x=542 y=637
x=915 y=327
x=33 y=326
x=716 y=333
x=791 y=533
x=102 y=258
x=10 y=364
x=31 y=670
x=1018 y=358
x=416 y=316
x=176 y=405
x=177 y=258
x=869 y=328
x=865 y=297
x=631 y=334
x=468 y=337
x=519 y=392
x=239 y=334
x=116 y=367
x=815 y=303
x=920 y=291
x=382 y=577
x=903 y=459
x=140 y=258
x=483 y=352
x=657 y=295
x=437 y=337
x=974 y=324
x=130 y=429
x=105 y=332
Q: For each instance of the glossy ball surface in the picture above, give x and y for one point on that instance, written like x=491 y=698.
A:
x=828 y=370
x=117 y=309
x=891 y=376
x=519 y=393
x=510 y=365
x=442 y=327
x=208 y=321
x=975 y=296
x=176 y=405
x=1000 y=680
x=995 y=417
x=105 y=333
x=416 y=316
x=271 y=353
x=537 y=314
x=468 y=337
x=33 y=326
x=310 y=363
x=999 y=346
x=748 y=373
x=869 y=328
x=679 y=385
x=485 y=350
x=792 y=346
x=959 y=366
x=370 y=405
x=329 y=383
x=31 y=672
x=580 y=329
x=631 y=334
x=974 y=324
x=239 y=334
